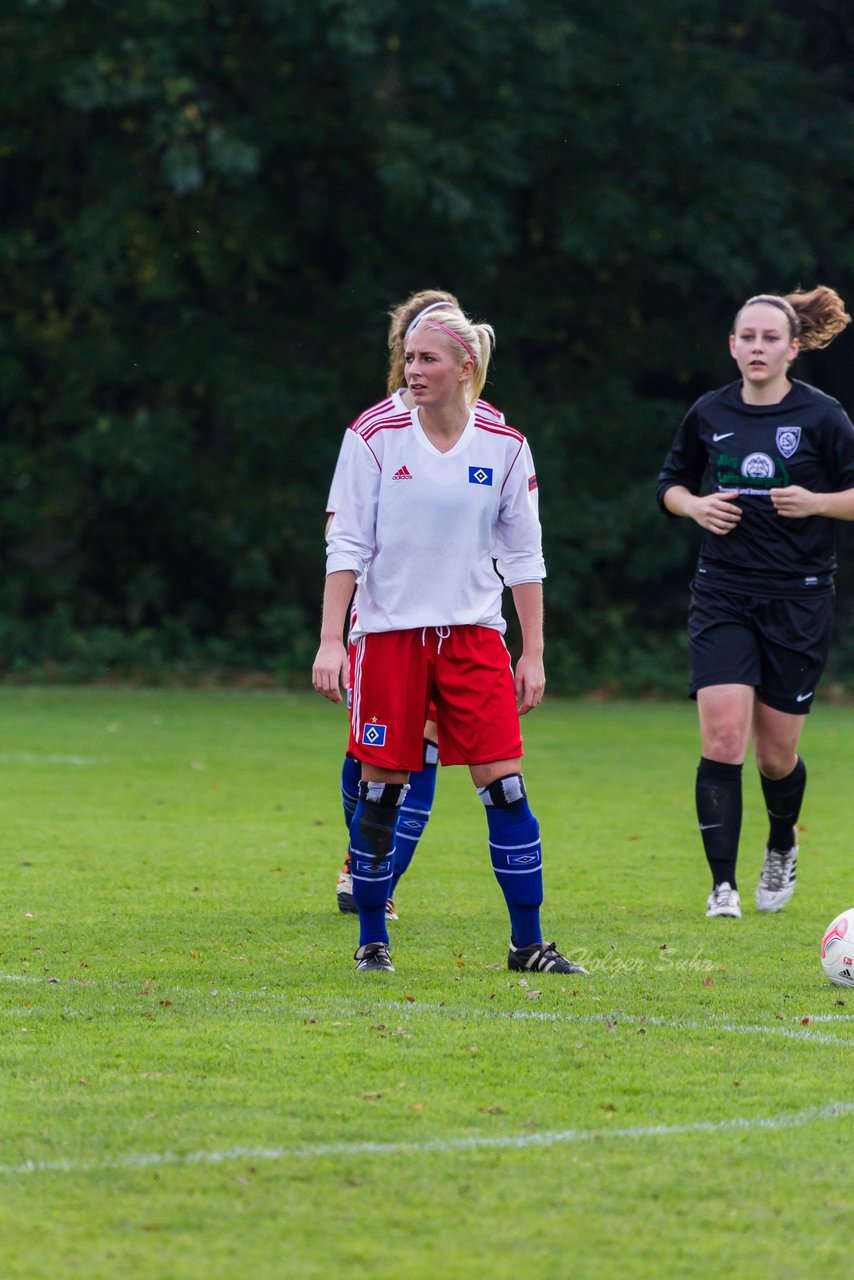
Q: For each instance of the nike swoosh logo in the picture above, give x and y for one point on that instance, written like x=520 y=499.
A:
x=709 y=826
x=803 y=697
x=724 y=435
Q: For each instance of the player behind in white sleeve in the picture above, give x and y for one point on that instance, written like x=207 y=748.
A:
x=431 y=501
x=415 y=813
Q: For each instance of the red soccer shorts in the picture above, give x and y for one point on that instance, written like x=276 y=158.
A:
x=464 y=670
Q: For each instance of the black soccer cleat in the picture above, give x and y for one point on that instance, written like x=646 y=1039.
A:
x=373 y=956
x=540 y=957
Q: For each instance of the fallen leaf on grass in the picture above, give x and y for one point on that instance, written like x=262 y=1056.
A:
x=804 y=1021
x=708 y=982
x=532 y=995
x=371 y=1097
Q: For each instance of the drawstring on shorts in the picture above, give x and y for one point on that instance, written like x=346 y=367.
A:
x=441 y=632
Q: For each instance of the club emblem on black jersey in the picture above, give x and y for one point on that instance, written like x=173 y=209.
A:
x=480 y=475
x=788 y=439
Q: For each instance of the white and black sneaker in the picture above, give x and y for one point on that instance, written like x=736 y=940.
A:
x=373 y=955
x=724 y=901
x=344 y=890
x=540 y=957
x=777 y=881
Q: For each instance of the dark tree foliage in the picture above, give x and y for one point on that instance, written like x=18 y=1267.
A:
x=208 y=207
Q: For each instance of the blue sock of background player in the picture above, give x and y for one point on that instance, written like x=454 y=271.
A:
x=415 y=811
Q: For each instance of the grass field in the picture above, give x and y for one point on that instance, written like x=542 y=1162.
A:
x=196 y=1082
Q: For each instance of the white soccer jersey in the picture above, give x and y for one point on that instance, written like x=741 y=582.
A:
x=393 y=405
x=424 y=527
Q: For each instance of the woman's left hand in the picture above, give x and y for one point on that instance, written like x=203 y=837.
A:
x=795 y=502
x=530 y=683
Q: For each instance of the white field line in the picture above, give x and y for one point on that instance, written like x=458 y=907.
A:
x=560 y=1137
x=468 y=1012
x=614 y=1018
x=27 y=757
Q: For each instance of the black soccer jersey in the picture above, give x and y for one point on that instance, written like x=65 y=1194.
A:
x=806 y=439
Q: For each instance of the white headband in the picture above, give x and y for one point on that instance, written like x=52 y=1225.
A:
x=448 y=306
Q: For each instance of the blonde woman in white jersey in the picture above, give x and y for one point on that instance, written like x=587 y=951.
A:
x=415 y=814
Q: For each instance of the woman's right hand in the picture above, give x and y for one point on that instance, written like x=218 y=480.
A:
x=717 y=512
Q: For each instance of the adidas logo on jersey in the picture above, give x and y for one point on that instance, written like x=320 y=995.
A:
x=402 y=474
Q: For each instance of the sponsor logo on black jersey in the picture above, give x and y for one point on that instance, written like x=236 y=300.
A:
x=761 y=470
x=480 y=475
x=788 y=439
x=758 y=466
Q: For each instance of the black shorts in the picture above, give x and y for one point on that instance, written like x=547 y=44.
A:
x=776 y=644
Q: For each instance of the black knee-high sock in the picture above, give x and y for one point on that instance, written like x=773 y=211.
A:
x=783 y=797
x=719 y=814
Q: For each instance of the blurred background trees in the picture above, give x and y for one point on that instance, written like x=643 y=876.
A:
x=209 y=206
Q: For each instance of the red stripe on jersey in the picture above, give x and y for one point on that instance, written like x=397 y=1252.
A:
x=379 y=416
x=382 y=406
x=483 y=406
x=498 y=428
x=513 y=463
x=387 y=424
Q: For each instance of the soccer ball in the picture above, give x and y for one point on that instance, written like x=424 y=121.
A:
x=837 y=950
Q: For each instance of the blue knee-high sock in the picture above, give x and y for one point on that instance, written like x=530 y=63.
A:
x=517 y=857
x=351 y=776
x=372 y=840
x=415 y=813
